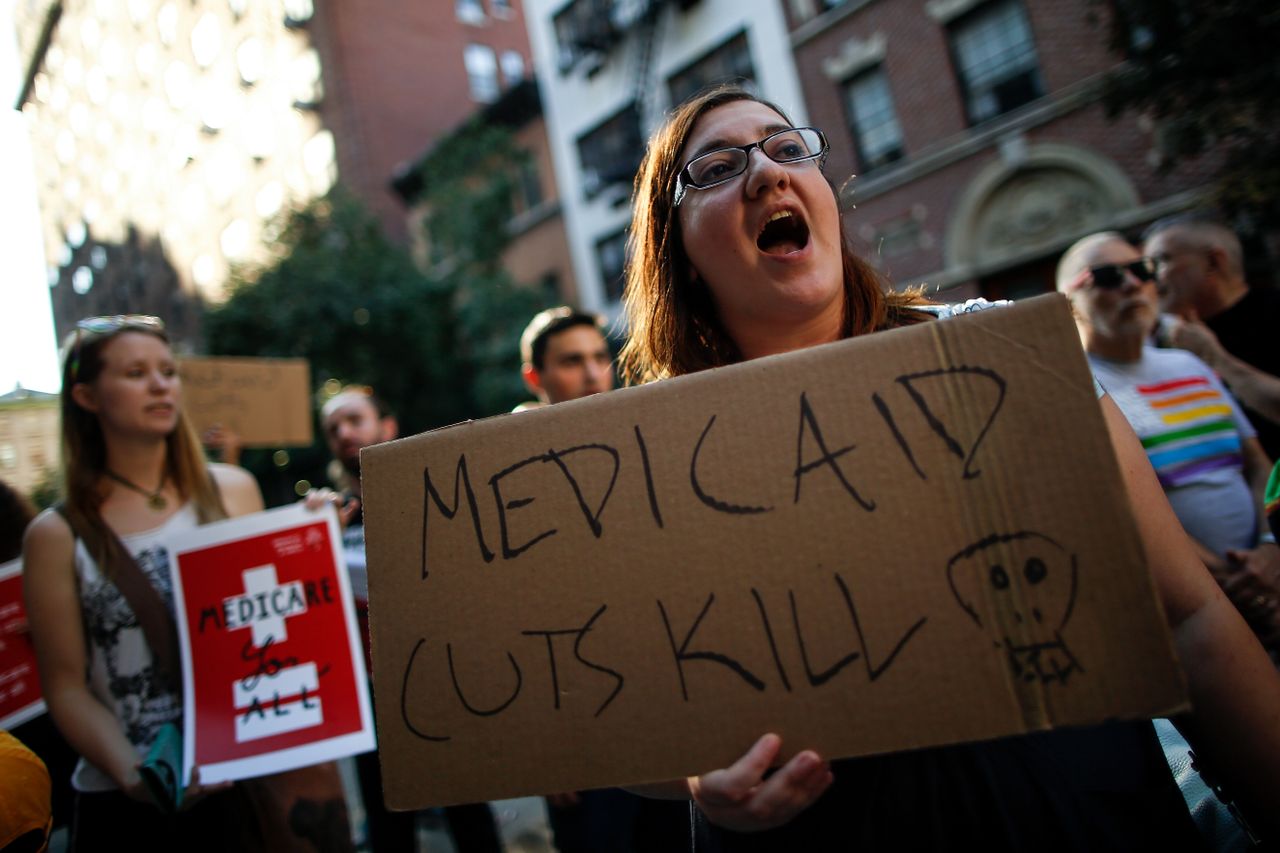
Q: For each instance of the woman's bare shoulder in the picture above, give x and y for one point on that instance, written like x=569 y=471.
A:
x=48 y=535
x=239 y=489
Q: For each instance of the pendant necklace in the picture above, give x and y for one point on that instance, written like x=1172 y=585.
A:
x=155 y=500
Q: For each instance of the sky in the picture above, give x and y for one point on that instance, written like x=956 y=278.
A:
x=27 y=350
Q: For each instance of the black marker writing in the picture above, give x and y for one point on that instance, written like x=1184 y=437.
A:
x=714 y=503
x=579 y=635
x=681 y=654
x=431 y=495
x=911 y=383
x=508 y=552
x=809 y=423
x=481 y=712
x=593 y=518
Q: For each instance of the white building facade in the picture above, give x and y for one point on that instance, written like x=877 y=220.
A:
x=610 y=70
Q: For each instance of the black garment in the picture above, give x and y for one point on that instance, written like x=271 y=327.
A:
x=472 y=826
x=112 y=821
x=1089 y=790
x=1250 y=330
x=42 y=737
x=612 y=820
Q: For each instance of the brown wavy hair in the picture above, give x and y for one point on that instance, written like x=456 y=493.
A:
x=674 y=327
x=84 y=450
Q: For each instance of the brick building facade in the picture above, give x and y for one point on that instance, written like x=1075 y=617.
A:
x=978 y=137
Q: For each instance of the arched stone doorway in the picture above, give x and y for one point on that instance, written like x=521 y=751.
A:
x=1018 y=214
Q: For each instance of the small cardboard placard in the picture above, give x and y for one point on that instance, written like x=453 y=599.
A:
x=20 y=696
x=265 y=401
x=907 y=539
x=272 y=668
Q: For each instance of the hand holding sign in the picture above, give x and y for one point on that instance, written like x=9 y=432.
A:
x=741 y=798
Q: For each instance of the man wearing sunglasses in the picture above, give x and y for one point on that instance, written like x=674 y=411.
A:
x=1232 y=327
x=1201 y=445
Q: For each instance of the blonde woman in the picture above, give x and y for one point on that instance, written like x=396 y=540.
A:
x=134 y=473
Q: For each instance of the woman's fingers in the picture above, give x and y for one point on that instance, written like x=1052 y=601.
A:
x=740 y=798
x=317 y=498
x=195 y=792
x=734 y=783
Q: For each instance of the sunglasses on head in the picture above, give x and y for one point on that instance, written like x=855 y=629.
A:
x=109 y=325
x=1111 y=276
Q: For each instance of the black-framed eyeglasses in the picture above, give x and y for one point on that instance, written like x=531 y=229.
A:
x=792 y=145
x=109 y=324
x=1111 y=276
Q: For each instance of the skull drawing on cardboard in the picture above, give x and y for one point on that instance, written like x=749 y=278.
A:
x=1020 y=588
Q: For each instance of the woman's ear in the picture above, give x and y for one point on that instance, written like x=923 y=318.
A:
x=82 y=394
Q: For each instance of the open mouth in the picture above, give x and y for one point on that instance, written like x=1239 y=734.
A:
x=784 y=233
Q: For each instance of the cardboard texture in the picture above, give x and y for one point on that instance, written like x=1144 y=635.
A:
x=908 y=539
x=266 y=401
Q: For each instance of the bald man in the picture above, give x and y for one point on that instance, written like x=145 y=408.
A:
x=1200 y=278
x=1200 y=444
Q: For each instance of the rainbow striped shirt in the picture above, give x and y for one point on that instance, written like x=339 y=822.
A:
x=1192 y=430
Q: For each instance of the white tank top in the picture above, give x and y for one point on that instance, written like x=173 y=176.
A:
x=121 y=671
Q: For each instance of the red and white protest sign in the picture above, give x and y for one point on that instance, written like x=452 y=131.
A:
x=272 y=669
x=20 y=696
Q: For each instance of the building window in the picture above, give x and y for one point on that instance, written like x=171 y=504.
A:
x=728 y=63
x=584 y=28
x=469 y=11
x=611 y=153
x=611 y=255
x=873 y=120
x=512 y=67
x=298 y=12
x=528 y=186
x=482 y=72
x=995 y=57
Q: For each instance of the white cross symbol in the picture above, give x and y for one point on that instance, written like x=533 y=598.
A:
x=265 y=605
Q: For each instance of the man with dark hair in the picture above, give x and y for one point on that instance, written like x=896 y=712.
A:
x=353 y=419
x=1230 y=326
x=565 y=355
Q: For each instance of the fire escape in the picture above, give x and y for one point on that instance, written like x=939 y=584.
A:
x=592 y=33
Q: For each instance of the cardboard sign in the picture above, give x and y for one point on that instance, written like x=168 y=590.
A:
x=912 y=538
x=20 y=696
x=272 y=670
x=266 y=401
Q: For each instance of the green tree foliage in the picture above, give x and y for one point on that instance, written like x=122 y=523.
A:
x=439 y=347
x=1208 y=71
x=48 y=490
x=469 y=182
x=353 y=304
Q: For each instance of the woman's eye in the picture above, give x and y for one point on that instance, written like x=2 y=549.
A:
x=712 y=171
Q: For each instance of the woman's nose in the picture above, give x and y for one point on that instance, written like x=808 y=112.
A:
x=764 y=173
